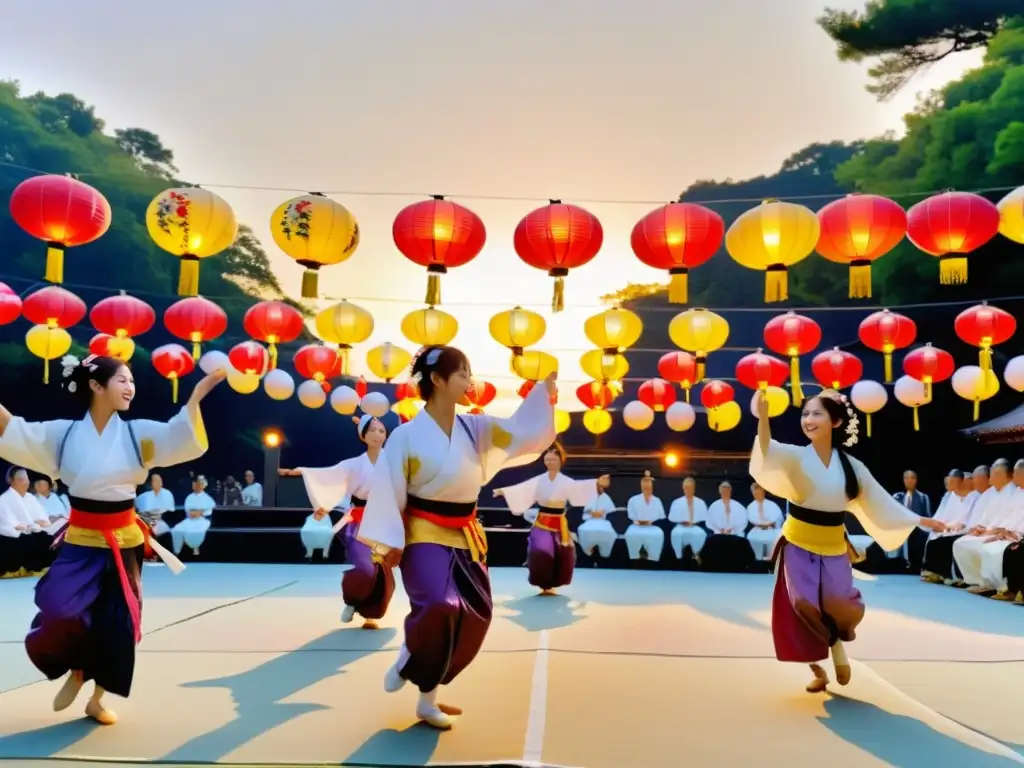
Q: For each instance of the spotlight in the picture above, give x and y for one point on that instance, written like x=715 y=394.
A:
x=671 y=459
x=272 y=438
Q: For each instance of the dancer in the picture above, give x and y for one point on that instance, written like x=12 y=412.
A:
x=422 y=507
x=367 y=587
x=90 y=601
x=595 y=533
x=815 y=607
x=550 y=551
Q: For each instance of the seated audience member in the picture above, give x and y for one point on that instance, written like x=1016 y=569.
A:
x=954 y=512
x=252 y=492
x=765 y=519
x=191 y=531
x=989 y=519
x=595 y=534
x=53 y=506
x=154 y=504
x=993 y=552
x=688 y=513
x=27 y=518
x=644 y=539
x=727 y=548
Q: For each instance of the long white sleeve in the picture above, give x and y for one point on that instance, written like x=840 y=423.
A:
x=166 y=444
x=884 y=519
x=521 y=496
x=517 y=440
x=383 y=521
x=33 y=445
x=327 y=486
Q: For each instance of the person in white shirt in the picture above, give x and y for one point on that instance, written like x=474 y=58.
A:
x=644 y=539
x=52 y=505
x=688 y=512
x=954 y=513
x=765 y=517
x=154 y=504
x=987 y=520
x=192 y=530
x=595 y=534
x=727 y=548
x=993 y=580
x=22 y=514
x=252 y=493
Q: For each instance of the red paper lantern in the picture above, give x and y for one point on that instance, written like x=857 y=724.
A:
x=320 y=363
x=62 y=212
x=273 y=323
x=984 y=327
x=886 y=332
x=480 y=395
x=197 y=320
x=856 y=231
x=677 y=237
x=656 y=394
x=110 y=346
x=250 y=357
x=760 y=371
x=172 y=361
x=679 y=368
x=53 y=307
x=557 y=238
x=837 y=369
x=929 y=365
x=792 y=335
x=362 y=388
x=122 y=316
x=595 y=394
x=439 y=235
x=715 y=393
x=10 y=305
x=525 y=388
x=950 y=226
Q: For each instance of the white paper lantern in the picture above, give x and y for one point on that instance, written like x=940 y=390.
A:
x=311 y=394
x=345 y=400
x=1014 y=373
x=242 y=383
x=278 y=385
x=637 y=415
x=868 y=397
x=214 y=361
x=911 y=393
x=680 y=416
x=376 y=404
x=974 y=384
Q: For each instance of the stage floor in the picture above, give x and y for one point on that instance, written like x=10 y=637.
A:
x=249 y=664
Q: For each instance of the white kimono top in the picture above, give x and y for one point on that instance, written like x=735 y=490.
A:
x=53 y=506
x=995 y=507
x=156 y=504
x=199 y=502
x=730 y=517
x=252 y=495
x=602 y=503
x=327 y=487
x=23 y=510
x=640 y=510
x=688 y=510
x=764 y=512
x=549 y=492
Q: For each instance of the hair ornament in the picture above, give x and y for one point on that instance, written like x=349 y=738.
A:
x=852 y=420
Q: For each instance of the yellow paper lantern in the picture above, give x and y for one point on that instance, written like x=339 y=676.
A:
x=193 y=224
x=597 y=422
x=47 y=343
x=602 y=366
x=121 y=348
x=975 y=384
x=724 y=417
x=316 y=232
x=778 y=402
x=345 y=325
x=562 y=421
x=1011 y=215
x=773 y=237
x=243 y=383
x=517 y=328
x=700 y=332
x=429 y=327
x=534 y=365
x=614 y=329
x=387 y=361
x=407 y=407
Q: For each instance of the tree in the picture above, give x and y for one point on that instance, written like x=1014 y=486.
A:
x=908 y=35
x=147 y=149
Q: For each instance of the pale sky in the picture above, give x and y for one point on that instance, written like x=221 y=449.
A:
x=572 y=99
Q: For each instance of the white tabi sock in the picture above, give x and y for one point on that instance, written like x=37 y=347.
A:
x=428 y=711
x=393 y=680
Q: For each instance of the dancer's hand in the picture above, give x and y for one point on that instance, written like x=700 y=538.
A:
x=549 y=384
x=762 y=404
x=206 y=385
x=392 y=558
x=288 y=472
x=932 y=525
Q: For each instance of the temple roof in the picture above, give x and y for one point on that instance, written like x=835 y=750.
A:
x=1008 y=428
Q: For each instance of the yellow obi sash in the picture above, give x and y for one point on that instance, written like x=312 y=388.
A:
x=450 y=524
x=823 y=533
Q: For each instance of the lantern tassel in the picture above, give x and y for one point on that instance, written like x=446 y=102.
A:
x=794 y=380
x=310 y=284
x=188 y=276
x=54 y=263
x=433 y=289
x=702 y=365
x=977 y=409
x=860 y=280
x=776 y=284
x=558 y=299
x=678 y=286
x=868 y=420
x=273 y=355
x=985 y=359
x=46 y=358
x=888 y=367
x=928 y=391
x=917 y=421
x=686 y=394
x=197 y=350
x=174 y=388
x=953 y=270
x=343 y=359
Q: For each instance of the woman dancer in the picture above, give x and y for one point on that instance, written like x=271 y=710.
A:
x=90 y=601
x=422 y=507
x=367 y=587
x=550 y=551
x=815 y=607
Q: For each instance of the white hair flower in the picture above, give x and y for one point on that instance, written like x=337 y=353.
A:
x=68 y=364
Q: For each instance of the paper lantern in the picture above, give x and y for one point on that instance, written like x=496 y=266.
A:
x=10 y=305
x=858 y=230
x=534 y=365
x=311 y=394
x=429 y=327
x=48 y=344
x=1013 y=374
x=278 y=384
x=868 y=397
x=984 y=327
x=375 y=403
x=656 y=394
x=439 y=235
x=602 y=366
x=949 y=226
x=677 y=237
x=680 y=417
x=929 y=365
x=910 y=392
x=316 y=362
x=597 y=422
x=243 y=383
x=760 y=371
x=214 y=361
x=344 y=400
x=778 y=402
x=613 y=330
x=109 y=346
x=637 y=416
x=517 y=328
x=122 y=316
x=679 y=368
x=61 y=211
x=345 y=325
x=273 y=323
x=192 y=224
x=1011 y=215
x=362 y=388
x=596 y=394
x=836 y=369
x=250 y=357
x=195 y=319
x=792 y=335
x=562 y=421
x=172 y=361
x=481 y=394
x=716 y=393
x=53 y=307
x=558 y=238
x=315 y=232
x=976 y=384
x=387 y=361
x=701 y=332
x=724 y=417
x=886 y=332
x=773 y=237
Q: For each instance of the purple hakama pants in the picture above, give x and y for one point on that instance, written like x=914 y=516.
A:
x=367 y=586
x=814 y=604
x=550 y=564
x=451 y=608
x=83 y=621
